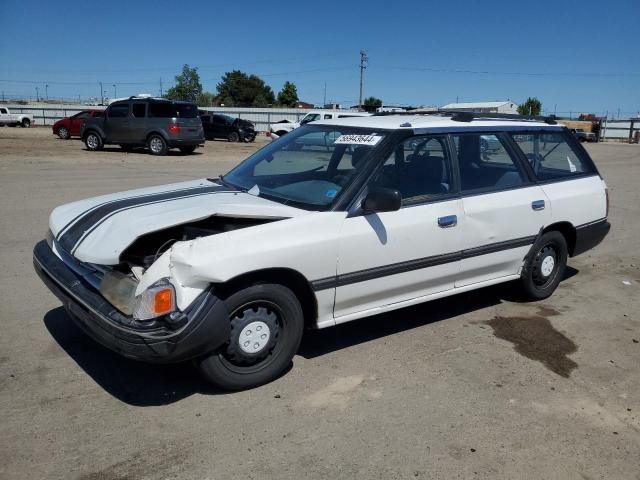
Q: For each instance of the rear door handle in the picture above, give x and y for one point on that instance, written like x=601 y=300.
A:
x=448 y=221
x=537 y=205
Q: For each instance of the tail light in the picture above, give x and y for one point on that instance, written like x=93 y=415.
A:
x=173 y=128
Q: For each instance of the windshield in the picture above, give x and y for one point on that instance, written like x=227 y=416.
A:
x=309 y=167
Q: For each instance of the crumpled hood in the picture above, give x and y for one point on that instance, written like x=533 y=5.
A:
x=99 y=229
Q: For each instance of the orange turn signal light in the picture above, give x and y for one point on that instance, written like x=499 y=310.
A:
x=163 y=301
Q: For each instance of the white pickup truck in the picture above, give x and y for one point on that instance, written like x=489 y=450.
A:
x=279 y=129
x=14 y=119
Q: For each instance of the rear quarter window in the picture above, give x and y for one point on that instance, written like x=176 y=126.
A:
x=551 y=156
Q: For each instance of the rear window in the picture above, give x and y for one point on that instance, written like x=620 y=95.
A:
x=551 y=156
x=171 y=110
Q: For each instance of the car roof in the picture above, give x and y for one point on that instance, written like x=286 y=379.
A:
x=436 y=122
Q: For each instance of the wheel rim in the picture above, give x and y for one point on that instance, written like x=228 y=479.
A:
x=256 y=337
x=92 y=141
x=545 y=266
x=63 y=132
x=156 y=144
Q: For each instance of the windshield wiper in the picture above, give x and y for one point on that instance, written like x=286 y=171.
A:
x=221 y=180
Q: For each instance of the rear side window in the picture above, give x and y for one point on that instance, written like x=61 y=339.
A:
x=172 y=110
x=551 y=156
x=485 y=163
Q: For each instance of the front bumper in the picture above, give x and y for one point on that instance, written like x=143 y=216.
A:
x=204 y=326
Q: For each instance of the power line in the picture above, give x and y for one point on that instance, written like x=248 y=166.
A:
x=529 y=74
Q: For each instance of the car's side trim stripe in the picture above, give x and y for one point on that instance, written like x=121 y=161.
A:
x=93 y=217
x=418 y=264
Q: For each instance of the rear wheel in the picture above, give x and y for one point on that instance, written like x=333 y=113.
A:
x=93 y=141
x=187 y=150
x=26 y=123
x=266 y=329
x=233 y=137
x=544 y=267
x=63 y=133
x=157 y=145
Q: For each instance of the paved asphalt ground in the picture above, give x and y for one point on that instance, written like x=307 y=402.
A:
x=475 y=386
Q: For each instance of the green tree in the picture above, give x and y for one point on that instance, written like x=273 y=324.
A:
x=238 y=89
x=187 y=87
x=371 y=103
x=205 y=99
x=288 y=96
x=532 y=106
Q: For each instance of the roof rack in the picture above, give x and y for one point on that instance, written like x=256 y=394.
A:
x=464 y=116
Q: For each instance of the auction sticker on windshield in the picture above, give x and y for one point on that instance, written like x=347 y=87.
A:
x=353 y=139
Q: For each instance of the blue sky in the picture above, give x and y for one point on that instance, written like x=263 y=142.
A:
x=573 y=55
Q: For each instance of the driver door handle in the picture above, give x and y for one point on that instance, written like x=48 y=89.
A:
x=448 y=221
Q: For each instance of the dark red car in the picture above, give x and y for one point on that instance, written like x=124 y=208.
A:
x=68 y=127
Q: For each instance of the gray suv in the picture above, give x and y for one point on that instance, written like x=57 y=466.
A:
x=155 y=123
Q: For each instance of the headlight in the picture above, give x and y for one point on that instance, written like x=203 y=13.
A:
x=159 y=299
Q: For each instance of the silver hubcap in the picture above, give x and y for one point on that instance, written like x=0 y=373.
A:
x=92 y=141
x=63 y=132
x=254 y=337
x=547 y=266
x=155 y=145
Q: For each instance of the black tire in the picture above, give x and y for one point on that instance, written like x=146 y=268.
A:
x=187 y=150
x=272 y=306
x=545 y=266
x=157 y=145
x=93 y=141
x=63 y=133
x=233 y=137
x=26 y=123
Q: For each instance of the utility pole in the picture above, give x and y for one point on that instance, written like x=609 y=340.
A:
x=37 y=95
x=324 y=101
x=363 y=61
x=161 y=86
x=101 y=94
x=46 y=92
x=115 y=92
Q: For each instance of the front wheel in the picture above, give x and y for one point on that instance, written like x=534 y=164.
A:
x=63 y=133
x=187 y=150
x=233 y=137
x=157 y=145
x=545 y=265
x=266 y=329
x=93 y=141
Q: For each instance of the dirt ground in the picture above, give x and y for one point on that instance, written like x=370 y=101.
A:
x=474 y=386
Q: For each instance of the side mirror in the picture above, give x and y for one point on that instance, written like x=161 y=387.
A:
x=382 y=200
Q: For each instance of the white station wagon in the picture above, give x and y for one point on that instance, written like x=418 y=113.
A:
x=336 y=221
